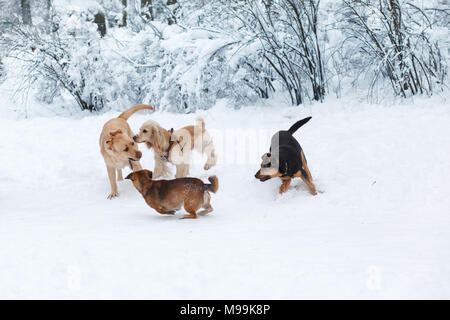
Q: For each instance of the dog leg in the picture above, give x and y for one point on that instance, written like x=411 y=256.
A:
x=211 y=161
x=206 y=204
x=191 y=206
x=285 y=184
x=305 y=166
x=206 y=210
x=119 y=175
x=191 y=215
x=182 y=171
x=163 y=211
x=311 y=186
x=135 y=166
x=158 y=172
x=112 y=180
x=161 y=168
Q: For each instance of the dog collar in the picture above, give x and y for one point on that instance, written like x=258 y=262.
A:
x=172 y=140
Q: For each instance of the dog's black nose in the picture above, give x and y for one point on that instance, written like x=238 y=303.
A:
x=138 y=154
x=257 y=174
x=135 y=138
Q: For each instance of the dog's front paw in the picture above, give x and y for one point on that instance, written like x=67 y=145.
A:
x=282 y=190
x=207 y=166
x=113 y=195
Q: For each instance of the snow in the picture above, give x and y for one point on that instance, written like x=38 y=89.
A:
x=379 y=229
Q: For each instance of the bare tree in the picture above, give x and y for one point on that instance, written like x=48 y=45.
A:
x=124 y=13
x=47 y=15
x=288 y=32
x=147 y=9
x=47 y=57
x=26 y=12
x=392 y=35
x=100 y=21
x=172 y=18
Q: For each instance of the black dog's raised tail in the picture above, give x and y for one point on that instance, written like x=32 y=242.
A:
x=298 y=124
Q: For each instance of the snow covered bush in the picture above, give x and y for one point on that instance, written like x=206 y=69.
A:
x=288 y=33
x=185 y=70
x=184 y=55
x=393 y=40
x=70 y=58
x=168 y=66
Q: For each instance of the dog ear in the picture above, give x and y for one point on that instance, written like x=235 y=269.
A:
x=266 y=155
x=109 y=144
x=114 y=133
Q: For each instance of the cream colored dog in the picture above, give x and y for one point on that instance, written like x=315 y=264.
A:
x=118 y=148
x=176 y=146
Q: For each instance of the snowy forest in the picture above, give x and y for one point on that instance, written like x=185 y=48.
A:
x=184 y=55
x=353 y=202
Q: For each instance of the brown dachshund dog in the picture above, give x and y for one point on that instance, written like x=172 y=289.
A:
x=167 y=196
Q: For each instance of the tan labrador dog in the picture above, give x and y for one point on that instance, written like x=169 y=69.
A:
x=118 y=148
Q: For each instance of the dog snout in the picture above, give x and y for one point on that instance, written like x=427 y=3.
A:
x=261 y=177
x=138 y=154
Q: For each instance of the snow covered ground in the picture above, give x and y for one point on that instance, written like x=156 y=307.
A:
x=379 y=229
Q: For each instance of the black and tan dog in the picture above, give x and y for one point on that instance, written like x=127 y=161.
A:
x=286 y=159
x=167 y=196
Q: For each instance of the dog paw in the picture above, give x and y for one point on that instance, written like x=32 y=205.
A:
x=113 y=195
x=283 y=189
x=207 y=166
x=189 y=216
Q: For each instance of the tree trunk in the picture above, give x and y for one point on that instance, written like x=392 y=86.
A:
x=172 y=19
x=124 y=15
x=131 y=12
x=26 y=12
x=48 y=15
x=99 y=19
x=149 y=14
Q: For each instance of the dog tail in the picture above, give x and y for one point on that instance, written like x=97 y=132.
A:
x=214 y=186
x=200 y=123
x=128 y=113
x=298 y=124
